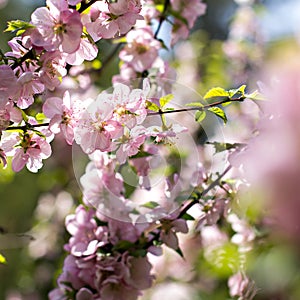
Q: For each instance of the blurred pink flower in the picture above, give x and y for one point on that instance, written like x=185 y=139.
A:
x=113 y=18
x=141 y=49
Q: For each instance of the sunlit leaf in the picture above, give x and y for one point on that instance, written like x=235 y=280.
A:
x=200 y=116
x=165 y=100
x=216 y=92
x=219 y=113
x=2 y=259
x=18 y=26
x=195 y=104
x=152 y=106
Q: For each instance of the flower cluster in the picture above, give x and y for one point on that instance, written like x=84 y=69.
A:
x=61 y=35
x=115 y=228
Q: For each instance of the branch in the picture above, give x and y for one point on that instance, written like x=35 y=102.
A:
x=201 y=108
x=210 y=187
x=29 y=55
x=85 y=5
x=26 y=127
x=162 y=18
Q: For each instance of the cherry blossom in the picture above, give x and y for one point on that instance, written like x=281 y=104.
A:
x=141 y=50
x=56 y=27
x=96 y=129
x=30 y=151
x=62 y=114
x=114 y=18
x=8 y=85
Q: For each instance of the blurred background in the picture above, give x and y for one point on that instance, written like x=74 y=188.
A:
x=227 y=48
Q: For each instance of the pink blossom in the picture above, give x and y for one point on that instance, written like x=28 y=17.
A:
x=130 y=144
x=8 y=85
x=241 y=286
x=96 y=129
x=141 y=49
x=169 y=229
x=165 y=135
x=84 y=294
x=190 y=12
x=56 y=27
x=53 y=69
x=30 y=151
x=30 y=85
x=87 y=51
x=114 y=18
x=62 y=116
x=74 y=2
x=97 y=181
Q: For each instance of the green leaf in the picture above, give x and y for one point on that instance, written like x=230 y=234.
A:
x=2 y=259
x=219 y=113
x=123 y=245
x=220 y=147
x=152 y=106
x=240 y=90
x=188 y=217
x=40 y=117
x=139 y=253
x=120 y=40
x=165 y=100
x=18 y=26
x=200 y=116
x=150 y=204
x=160 y=7
x=195 y=104
x=216 y=92
x=178 y=15
x=256 y=96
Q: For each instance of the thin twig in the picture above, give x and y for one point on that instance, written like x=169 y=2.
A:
x=162 y=18
x=209 y=188
x=201 y=108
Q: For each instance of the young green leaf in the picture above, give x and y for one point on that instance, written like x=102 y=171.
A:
x=216 y=92
x=150 y=204
x=188 y=217
x=220 y=147
x=165 y=100
x=152 y=106
x=256 y=96
x=218 y=112
x=195 y=104
x=18 y=26
x=200 y=116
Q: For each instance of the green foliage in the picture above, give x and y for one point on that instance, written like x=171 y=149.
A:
x=18 y=27
x=150 y=204
x=152 y=106
x=200 y=116
x=219 y=113
x=216 y=93
x=2 y=259
x=165 y=100
x=220 y=147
